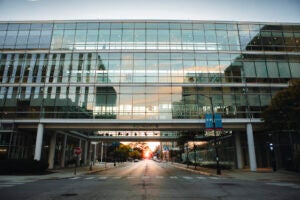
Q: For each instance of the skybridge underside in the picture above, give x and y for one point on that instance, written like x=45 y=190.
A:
x=85 y=128
x=78 y=124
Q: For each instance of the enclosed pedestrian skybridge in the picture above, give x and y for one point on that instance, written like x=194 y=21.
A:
x=128 y=130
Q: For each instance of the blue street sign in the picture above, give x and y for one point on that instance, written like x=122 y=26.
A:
x=218 y=121
x=208 y=121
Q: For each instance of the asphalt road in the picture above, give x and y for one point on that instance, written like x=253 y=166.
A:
x=148 y=180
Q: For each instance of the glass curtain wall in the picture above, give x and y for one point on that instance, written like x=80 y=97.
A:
x=143 y=70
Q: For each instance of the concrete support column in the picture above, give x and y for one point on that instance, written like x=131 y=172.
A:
x=101 y=158
x=52 y=151
x=39 y=142
x=63 y=152
x=251 y=147
x=80 y=155
x=95 y=152
x=90 y=153
x=85 y=152
x=238 y=149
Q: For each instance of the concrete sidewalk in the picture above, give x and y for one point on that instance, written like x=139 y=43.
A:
x=62 y=173
x=262 y=174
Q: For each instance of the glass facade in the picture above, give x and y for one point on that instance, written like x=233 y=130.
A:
x=143 y=70
x=143 y=79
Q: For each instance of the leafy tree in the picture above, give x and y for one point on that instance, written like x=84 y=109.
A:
x=284 y=110
x=135 y=154
x=123 y=152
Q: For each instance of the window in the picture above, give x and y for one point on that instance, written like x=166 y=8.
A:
x=11 y=38
x=104 y=39
x=295 y=69
x=45 y=39
x=2 y=37
x=80 y=38
x=261 y=69
x=92 y=39
x=272 y=69
x=284 y=70
x=249 y=69
x=57 y=39
x=22 y=39
x=34 y=38
x=68 y=40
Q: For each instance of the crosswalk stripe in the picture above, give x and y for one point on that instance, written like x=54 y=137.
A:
x=292 y=185
x=214 y=178
x=90 y=178
x=6 y=185
x=76 y=177
x=18 y=183
x=13 y=183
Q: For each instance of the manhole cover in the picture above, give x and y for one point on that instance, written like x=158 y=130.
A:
x=69 y=194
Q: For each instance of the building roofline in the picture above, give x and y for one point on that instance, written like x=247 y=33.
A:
x=150 y=21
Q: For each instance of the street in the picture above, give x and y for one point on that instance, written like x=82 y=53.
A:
x=148 y=180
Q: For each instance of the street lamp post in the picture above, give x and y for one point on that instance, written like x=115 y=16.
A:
x=215 y=135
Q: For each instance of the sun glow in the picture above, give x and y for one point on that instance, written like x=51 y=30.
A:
x=147 y=154
x=153 y=145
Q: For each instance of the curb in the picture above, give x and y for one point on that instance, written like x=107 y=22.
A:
x=193 y=170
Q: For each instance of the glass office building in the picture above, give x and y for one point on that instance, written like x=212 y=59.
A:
x=90 y=78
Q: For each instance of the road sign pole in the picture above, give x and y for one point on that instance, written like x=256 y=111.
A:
x=77 y=151
x=75 y=165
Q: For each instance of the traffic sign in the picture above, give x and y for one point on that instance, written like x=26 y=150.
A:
x=218 y=121
x=208 y=121
x=77 y=150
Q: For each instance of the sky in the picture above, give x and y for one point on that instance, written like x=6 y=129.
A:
x=220 y=10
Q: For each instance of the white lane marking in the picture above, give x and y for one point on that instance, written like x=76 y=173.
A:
x=74 y=178
x=131 y=177
x=159 y=177
x=173 y=177
x=90 y=178
x=187 y=177
x=18 y=183
x=6 y=185
x=145 y=177
x=214 y=178
x=201 y=177
x=117 y=177
x=293 y=185
x=102 y=178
